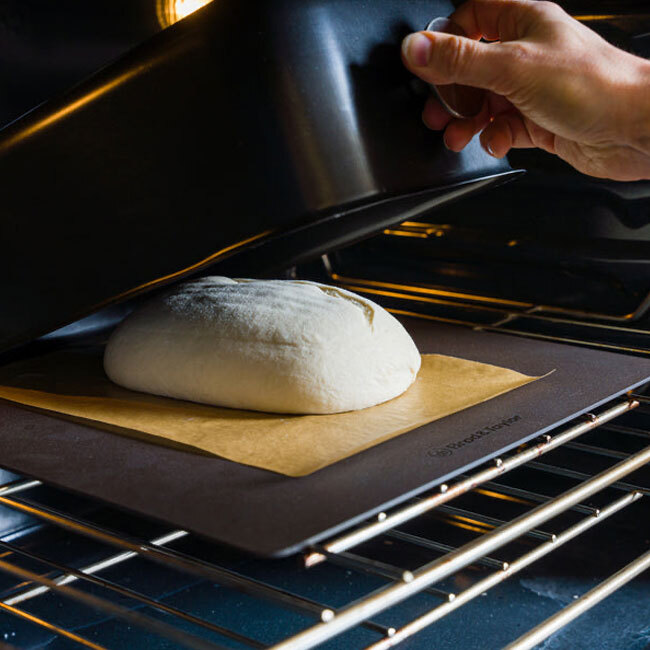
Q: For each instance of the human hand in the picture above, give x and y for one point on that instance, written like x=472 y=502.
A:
x=553 y=83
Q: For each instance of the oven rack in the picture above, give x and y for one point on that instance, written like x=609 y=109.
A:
x=401 y=584
x=420 y=230
x=40 y=573
x=596 y=330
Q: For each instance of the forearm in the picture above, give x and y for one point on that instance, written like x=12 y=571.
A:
x=644 y=140
x=635 y=114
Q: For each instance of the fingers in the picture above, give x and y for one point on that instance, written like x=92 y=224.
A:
x=511 y=130
x=500 y=132
x=439 y=58
x=459 y=132
x=503 y=133
x=434 y=115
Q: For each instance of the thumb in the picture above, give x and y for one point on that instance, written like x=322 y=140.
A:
x=440 y=58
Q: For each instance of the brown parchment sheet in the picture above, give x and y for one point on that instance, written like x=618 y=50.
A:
x=72 y=382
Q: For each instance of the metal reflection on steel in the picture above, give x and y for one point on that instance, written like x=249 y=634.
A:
x=458 y=100
x=171 y=11
x=330 y=155
x=21 y=133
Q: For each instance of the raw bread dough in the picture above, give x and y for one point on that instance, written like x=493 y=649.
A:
x=265 y=345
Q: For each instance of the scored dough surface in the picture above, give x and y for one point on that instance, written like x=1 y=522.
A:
x=265 y=345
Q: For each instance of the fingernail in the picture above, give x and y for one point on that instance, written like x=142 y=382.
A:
x=489 y=149
x=416 y=49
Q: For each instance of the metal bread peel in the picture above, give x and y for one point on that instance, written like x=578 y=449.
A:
x=458 y=100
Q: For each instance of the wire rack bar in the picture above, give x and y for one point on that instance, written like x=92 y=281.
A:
x=91 y=569
x=564 y=339
x=383 y=569
x=526 y=497
x=583 y=604
x=173 y=559
x=18 y=486
x=598 y=451
x=630 y=431
x=485 y=520
x=642 y=399
x=497 y=327
x=160 y=628
x=542 y=314
x=480 y=587
x=71 y=573
x=423 y=542
x=441 y=568
x=72 y=636
x=447 y=493
x=581 y=476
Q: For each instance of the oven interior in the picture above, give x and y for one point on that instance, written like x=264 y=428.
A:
x=552 y=541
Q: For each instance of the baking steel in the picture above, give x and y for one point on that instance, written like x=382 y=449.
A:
x=273 y=515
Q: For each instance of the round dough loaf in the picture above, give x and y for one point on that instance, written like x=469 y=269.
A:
x=266 y=345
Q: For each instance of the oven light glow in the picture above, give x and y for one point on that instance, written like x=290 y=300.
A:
x=171 y=11
x=594 y=17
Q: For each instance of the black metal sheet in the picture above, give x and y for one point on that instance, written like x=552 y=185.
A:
x=172 y=158
x=273 y=515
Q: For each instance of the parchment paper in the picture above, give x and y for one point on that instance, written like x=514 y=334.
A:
x=73 y=383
